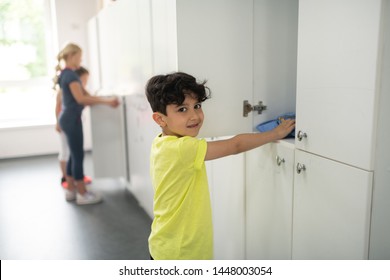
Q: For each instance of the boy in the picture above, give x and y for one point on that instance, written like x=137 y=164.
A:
x=182 y=226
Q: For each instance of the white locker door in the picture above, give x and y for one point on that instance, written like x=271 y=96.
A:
x=125 y=46
x=227 y=191
x=108 y=127
x=109 y=47
x=337 y=66
x=245 y=49
x=141 y=131
x=269 y=198
x=215 y=42
x=331 y=211
x=93 y=55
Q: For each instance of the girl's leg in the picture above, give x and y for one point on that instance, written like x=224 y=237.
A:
x=76 y=145
x=70 y=191
x=63 y=157
x=77 y=155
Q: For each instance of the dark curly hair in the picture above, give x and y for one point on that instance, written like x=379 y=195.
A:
x=163 y=90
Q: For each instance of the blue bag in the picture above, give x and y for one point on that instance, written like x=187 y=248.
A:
x=269 y=125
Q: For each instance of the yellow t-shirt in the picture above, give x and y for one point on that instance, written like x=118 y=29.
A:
x=182 y=225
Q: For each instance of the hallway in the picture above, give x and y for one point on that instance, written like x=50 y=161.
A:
x=37 y=223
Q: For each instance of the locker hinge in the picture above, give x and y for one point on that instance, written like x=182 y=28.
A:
x=247 y=108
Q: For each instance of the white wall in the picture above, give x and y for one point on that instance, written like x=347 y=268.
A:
x=72 y=18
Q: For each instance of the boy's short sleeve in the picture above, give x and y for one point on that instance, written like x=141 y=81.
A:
x=193 y=150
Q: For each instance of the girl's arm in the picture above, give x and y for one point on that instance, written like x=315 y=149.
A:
x=86 y=92
x=245 y=142
x=81 y=98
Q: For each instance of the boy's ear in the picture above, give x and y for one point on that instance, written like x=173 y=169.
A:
x=159 y=119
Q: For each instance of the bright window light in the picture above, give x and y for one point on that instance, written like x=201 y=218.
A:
x=26 y=67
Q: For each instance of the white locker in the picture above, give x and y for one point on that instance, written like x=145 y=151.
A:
x=109 y=155
x=332 y=209
x=141 y=131
x=338 y=52
x=269 y=201
x=93 y=54
x=125 y=46
x=210 y=40
x=227 y=190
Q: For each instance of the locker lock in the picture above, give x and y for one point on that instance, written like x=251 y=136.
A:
x=300 y=167
x=279 y=160
x=301 y=135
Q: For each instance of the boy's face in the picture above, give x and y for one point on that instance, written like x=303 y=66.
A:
x=182 y=120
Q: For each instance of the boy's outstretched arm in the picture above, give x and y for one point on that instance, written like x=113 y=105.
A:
x=245 y=142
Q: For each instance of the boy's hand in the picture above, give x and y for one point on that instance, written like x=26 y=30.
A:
x=284 y=128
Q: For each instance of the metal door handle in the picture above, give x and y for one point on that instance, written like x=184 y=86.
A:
x=279 y=160
x=301 y=135
x=300 y=167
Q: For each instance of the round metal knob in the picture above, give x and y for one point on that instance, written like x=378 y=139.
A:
x=279 y=160
x=301 y=135
x=300 y=167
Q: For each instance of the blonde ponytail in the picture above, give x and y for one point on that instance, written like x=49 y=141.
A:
x=69 y=50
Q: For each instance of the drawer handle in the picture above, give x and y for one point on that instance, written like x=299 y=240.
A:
x=300 y=167
x=279 y=160
x=301 y=135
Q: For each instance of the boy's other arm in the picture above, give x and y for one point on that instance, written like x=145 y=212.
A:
x=245 y=142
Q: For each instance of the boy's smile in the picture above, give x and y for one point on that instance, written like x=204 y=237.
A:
x=182 y=120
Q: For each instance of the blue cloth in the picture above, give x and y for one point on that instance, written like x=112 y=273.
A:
x=271 y=124
x=71 y=125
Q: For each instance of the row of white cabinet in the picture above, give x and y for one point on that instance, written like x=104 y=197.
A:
x=274 y=202
x=265 y=207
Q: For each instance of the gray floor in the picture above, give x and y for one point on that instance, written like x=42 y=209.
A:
x=37 y=223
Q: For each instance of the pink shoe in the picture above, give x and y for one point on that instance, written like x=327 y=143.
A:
x=64 y=183
x=87 y=180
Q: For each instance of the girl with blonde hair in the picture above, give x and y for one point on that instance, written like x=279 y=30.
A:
x=64 y=152
x=74 y=98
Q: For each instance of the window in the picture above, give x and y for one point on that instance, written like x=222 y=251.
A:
x=27 y=61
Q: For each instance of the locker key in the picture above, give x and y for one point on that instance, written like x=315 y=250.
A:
x=300 y=167
x=301 y=135
x=279 y=160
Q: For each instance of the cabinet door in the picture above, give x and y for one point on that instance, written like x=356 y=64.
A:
x=338 y=43
x=109 y=141
x=93 y=55
x=215 y=42
x=269 y=193
x=140 y=134
x=125 y=46
x=226 y=182
x=331 y=212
